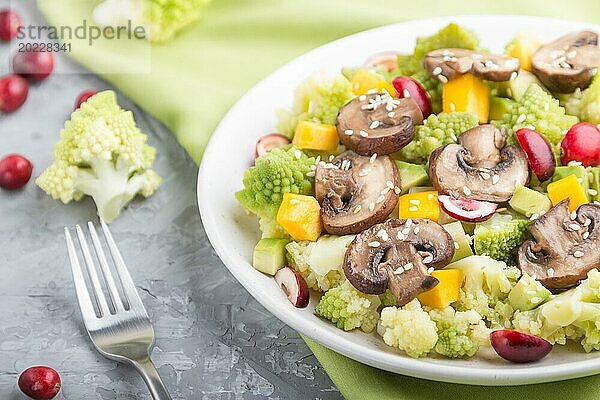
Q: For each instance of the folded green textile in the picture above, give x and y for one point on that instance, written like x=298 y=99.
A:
x=195 y=79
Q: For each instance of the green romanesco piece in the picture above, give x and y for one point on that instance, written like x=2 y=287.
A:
x=348 y=308
x=460 y=333
x=274 y=173
x=388 y=299
x=432 y=87
x=436 y=131
x=319 y=98
x=102 y=154
x=409 y=328
x=500 y=237
x=539 y=110
x=586 y=104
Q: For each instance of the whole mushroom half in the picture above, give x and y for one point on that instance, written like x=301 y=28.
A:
x=356 y=192
x=378 y=124
x=567 y=63
x=564 y=246
x=480 y=166
x=396 y=255
x=447 y=64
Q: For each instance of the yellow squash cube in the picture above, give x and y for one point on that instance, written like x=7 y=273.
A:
x=300 y=216
x=365 y=80
x=567 y=188
x=316 y=136
x=446 y=291
x=522 y=47
x=467 y=94
x=419 y=205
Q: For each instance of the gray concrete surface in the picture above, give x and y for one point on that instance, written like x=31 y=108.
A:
x=214 y=341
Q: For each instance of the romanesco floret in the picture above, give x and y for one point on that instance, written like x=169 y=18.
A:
x=388 y=299
x=486 y=285
x=586 y=104
x=436 y=131
x=270 y=228
x=162 y=18
x=500 y=237
x=460 y=333
x=409 y=328
x=320 y=262
x=452 y=35
x=348 y=308
x=274 y=173
x=319 y=98
x=570 y=315
x=539 y=110
x=102 y=154
x=432 y=87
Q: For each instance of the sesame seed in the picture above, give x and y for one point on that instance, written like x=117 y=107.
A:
x=380 y=199
x=580 y=180
x=372 y=91
x=513 y=75
x=430 y=270
x=391 y=114
x=399 y=271
x=452 y=107
x=406 y=93
x=364 y=172
x=400 y=236
x=413 y=208
x=362 y=97
x=357 y=209
x=294 y=201
x=428 y=259
x=495 y=179
x=374 y=124
x=389 y=184
x=331 y=158
x=535 y=300
x=442 y=78
x=530 y=292
x=456 y=246
x=534 y=216
x=318 y=160
x=574 y=163
x=383 y=235
x=298 y=154
x=573 y=215
x=373 y=158
x=416 y=202
x=310 y=173
x=446 y=52
x=485 y=176
x=586 y=235
x=578 y=254
x=416 y=230
x=587 y=222
x=521 y=118
x=430 y=196
x=313 y=167
x=593 y=192
x=363 y=133
x=397 y=190
x=374 y=243
x=550 y=272
x=466 y=191
x=349 y=132
x=453 y=137
x=574 y=227
x=408 y=266
x=385 y=191
x=436 y=71
x=371 y=206
x=501 y=209
x=409 y=223
x=405 y=231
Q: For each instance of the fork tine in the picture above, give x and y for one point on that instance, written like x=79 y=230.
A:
x=128 y=286
x=108 y=276
x=83 y=296
x=99 y=293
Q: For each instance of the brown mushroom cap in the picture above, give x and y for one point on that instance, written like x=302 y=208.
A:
x=559 y=256
x=356 y=192
x=480 y=167
x=447 y=64
x=379 y=124
x=568 y=62
x=396 y=255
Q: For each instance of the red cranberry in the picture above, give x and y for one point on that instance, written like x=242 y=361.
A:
x=538 y=152
x=408 y=87
x=15 y=171
x=84 y=96
x=40 y=383
x=34 y=65
x=519 y=347
x=13 y=92
x=581 y=143
x=10 y=22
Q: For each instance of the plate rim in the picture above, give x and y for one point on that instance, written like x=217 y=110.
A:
x=419 y=368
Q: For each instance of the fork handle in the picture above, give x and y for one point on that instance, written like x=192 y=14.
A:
x=150 y=374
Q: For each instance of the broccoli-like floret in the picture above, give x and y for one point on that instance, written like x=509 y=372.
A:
x=319 y=98
x=102 y=154
x=436 y=131
x=452 y=35
x=408 y=328
x=460 y=333
x=348 y=308
x=388 y=299
x=432 y=87
x=270 y=228
x=500 y=237
x=320 y=262
x=570 y=315
x=539 y=110
x=162 y=18
x=486 y=285
x=274 y=173
x=586 y=104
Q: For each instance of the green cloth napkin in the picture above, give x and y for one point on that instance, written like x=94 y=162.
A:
x=196 y=78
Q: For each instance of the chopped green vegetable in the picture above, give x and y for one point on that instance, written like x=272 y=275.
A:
x=500 y=237
x=527 y=294
x=320 y=262
x=411 y=175
x=462 y=241
x=586 y=104
x=529 y=202
x=436 y=131
x=408 y=328
x=348 y=308
x=460 y=333
x=102 y=154
x=269 y=255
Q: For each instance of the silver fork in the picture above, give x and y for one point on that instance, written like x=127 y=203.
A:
x=123 y=334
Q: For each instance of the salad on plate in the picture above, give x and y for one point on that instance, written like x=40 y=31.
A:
x=446 y=200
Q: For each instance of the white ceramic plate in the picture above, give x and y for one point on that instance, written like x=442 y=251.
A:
x=234 y=234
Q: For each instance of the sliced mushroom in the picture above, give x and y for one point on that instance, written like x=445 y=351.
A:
x=480 y=167
x=396 y=255
x=563 y=249
x=567 y=63
x=447 y=64
x=356 y=192
x=378 y=124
